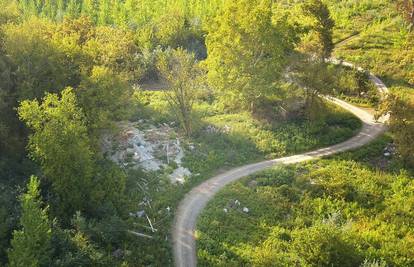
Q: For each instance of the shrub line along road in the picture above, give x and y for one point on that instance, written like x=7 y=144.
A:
x=184 y=245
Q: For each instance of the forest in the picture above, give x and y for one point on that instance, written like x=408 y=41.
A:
x=111 y=111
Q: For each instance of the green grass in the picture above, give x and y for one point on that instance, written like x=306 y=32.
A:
x=382 y=44
x=247 y=140
x=333 y=212
x=238 y=138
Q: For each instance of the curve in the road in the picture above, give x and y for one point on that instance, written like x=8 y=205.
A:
x=184 y=245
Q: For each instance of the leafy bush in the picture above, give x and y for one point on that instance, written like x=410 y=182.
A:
x=333 y=212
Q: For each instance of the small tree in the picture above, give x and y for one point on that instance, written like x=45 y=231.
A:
x=407 y=8
x=61 y=145
x=31 y=244
x=182 y=72
x=315 y=78
x=400 y=105
x=323 y=25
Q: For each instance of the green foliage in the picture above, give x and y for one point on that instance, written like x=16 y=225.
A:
x=354 y=86
x=400 y=105
x=42 y=66
x=105 y=98
x=315 y=78
x=117 y=12
x=60 y=144
x=382 y=42
x=99 y=46
x=75 y=248
x=247 y=46
x=331 y=212
x=322 y=26
x=184 y=77
x=114 y=48
x=31 y=244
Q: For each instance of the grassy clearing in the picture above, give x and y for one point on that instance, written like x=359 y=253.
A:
x=237 y=138
x=334 y=212
x=382 y=41
x=229 y=139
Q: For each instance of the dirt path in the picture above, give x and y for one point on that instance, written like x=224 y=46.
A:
x=184 y=244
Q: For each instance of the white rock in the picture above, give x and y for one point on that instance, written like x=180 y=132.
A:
x=246 y=210
x=387 y=154
x=140 y=213
x=225 y=210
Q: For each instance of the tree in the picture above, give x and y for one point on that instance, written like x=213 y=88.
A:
x=247 y=48
x=114 y=48
x=49 y=9
x=314 y=78
x=42 y=67
x=104 y=97
x=182 y=72
x=11 y=139
x=407 y=8
x=60 y=144
x=30 y=246
x=322 y=26
x=73 y=8
x=90 y=9
x=400 y=105
x=105 y=12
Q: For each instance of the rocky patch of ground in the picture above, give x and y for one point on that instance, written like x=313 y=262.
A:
x=142 y=145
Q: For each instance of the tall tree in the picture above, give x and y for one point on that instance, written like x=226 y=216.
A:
x=60 y=144
x=182 y=72
x=105 y=98
x=49 y=9
x=105 y=16
x=323 y=25
x=247 y=48
x=30 y=245
x=73 y=8
x=90 y=9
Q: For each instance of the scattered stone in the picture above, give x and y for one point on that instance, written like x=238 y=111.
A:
x=191 y=147
x=245 y=210
x=168 y=209
x=118 y=253
x=179 y=175
x=390 y=150
x=151 y=149
x=237 y=202
x=140 y=213
x=225 y=210
x=211 y=129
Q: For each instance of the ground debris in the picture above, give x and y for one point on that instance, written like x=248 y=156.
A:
x=152 y=148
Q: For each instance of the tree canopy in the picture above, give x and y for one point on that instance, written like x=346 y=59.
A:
x=61 y=146
x=247 y=46
x=31 y=245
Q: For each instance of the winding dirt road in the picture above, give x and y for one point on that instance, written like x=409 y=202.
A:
x=184 y=244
